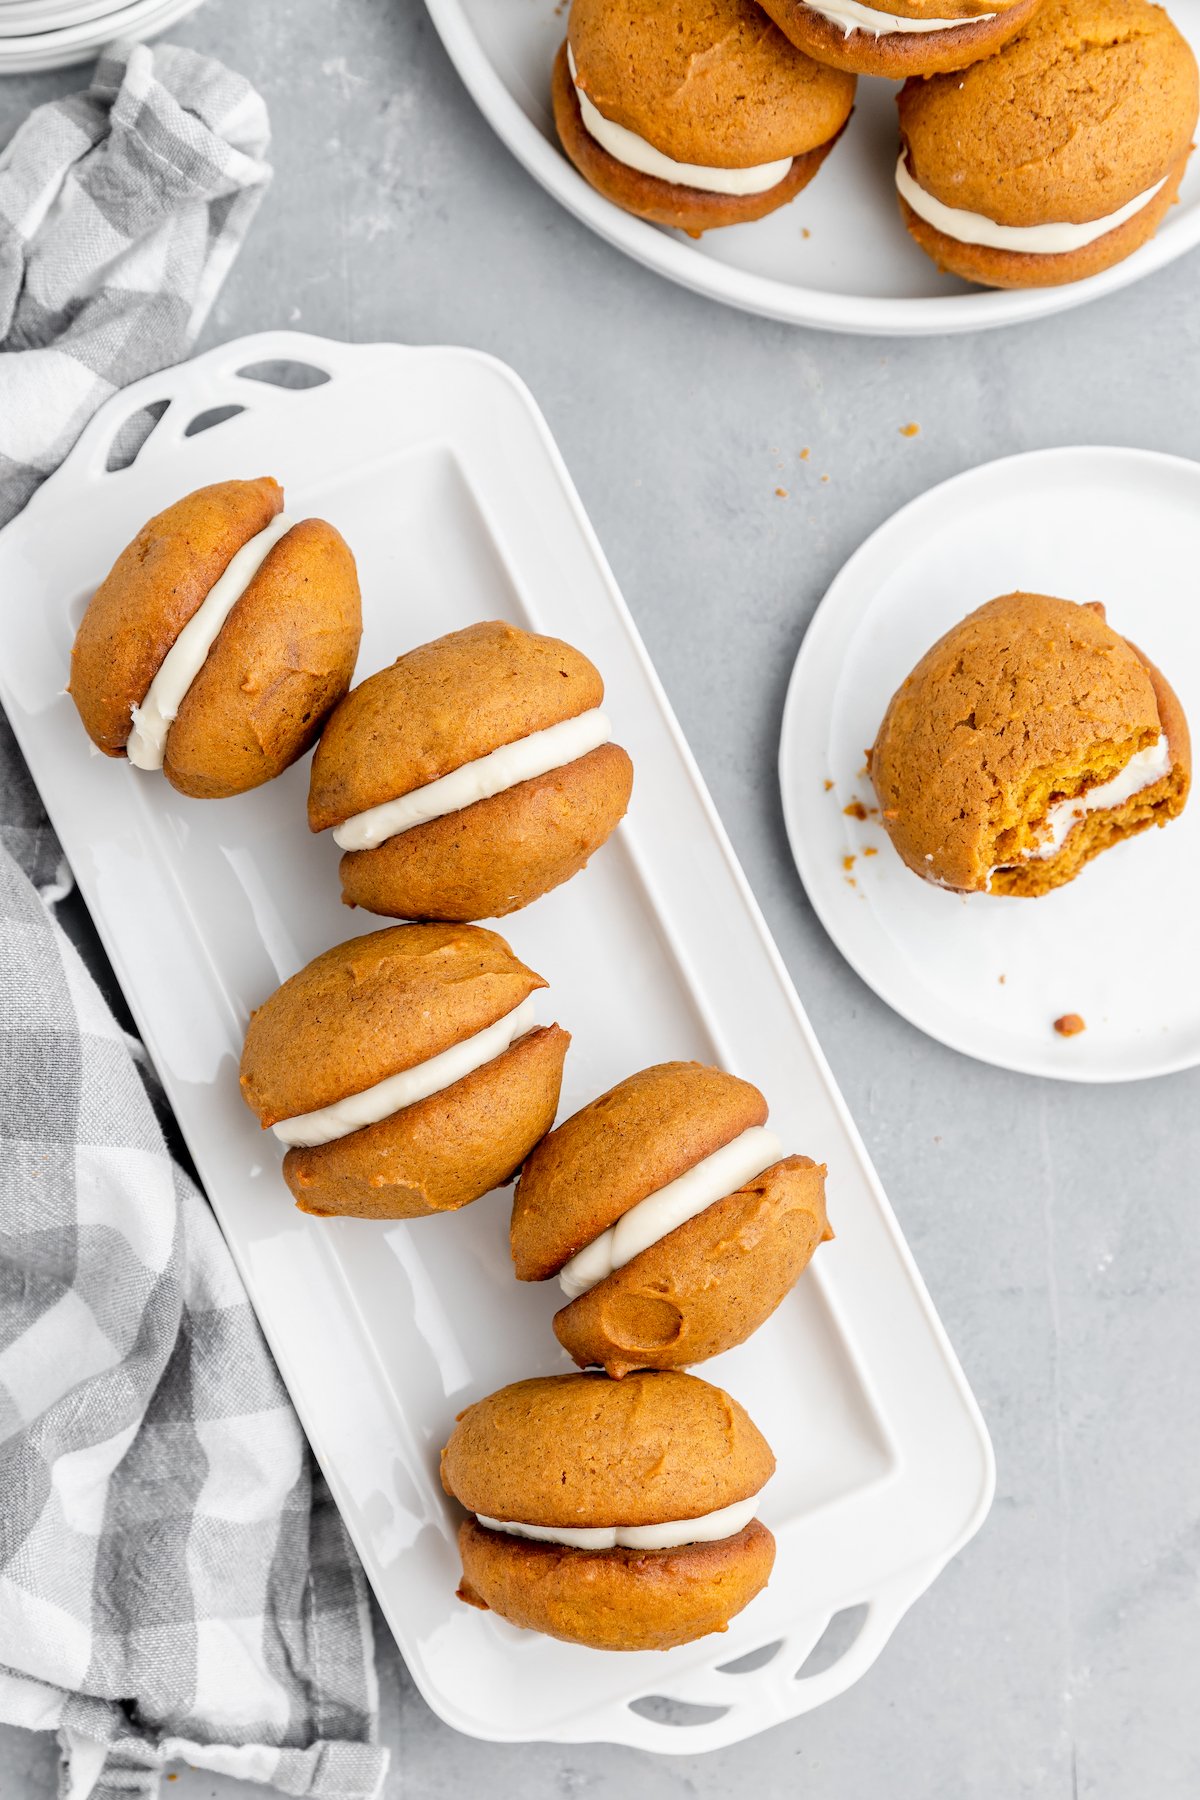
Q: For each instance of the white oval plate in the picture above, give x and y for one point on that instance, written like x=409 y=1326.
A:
x=837 y=258
x=988 y=976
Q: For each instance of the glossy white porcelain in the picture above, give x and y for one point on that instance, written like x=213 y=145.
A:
x=986 y=974
x=439 y=470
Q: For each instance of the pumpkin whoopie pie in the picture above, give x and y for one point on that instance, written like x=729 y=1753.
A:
x=614 y=1514
x=473 y=775
x=405 y=1070
x=670 y=1215
x=1058 y=156
x=693 y=113
x=1028 y=739
x=903 y=37
x=220 y=641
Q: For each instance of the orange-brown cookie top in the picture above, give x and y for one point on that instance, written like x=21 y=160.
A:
x=440 y=706
x=372 y=1007
x=711 y=82
x=1023 y=685
x=581 y=1450
x=623 y=1146
x=150 y=593
x=1088 y=107
x=281 y=661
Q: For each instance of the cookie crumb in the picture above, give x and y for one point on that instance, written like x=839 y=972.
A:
x=870 y=850
x=849 y=880
x=781 y=493
x=855 y=810
x=829 y=787
x=1070 y=1025
x=824 y=478
x=912 y=429
x=847 y=863
x=805 y=454
x=1002 y=979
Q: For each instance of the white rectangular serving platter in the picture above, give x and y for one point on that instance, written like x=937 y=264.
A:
x=439 y=470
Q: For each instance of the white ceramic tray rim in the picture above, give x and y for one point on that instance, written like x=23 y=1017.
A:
x=390 y=396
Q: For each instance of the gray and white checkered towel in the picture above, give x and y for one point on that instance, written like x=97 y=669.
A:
x=121 y=209
x=175 y=1581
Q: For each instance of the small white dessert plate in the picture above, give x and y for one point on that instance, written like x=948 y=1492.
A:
x=838 y=257
x=986 y=975
x=442 y=475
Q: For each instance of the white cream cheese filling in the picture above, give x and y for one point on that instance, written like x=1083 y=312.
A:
x=852 y=17
x=524 y=760
x=726 y=1522
x=1039 y=240
x=698 y=1188
x=628 y=148
x=1143 y=769
x=153 y=719
x=398 y=1091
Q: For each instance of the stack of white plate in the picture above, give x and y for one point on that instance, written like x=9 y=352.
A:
x=50 y=34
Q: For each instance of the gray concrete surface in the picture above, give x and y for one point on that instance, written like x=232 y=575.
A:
x=1057 y=1228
